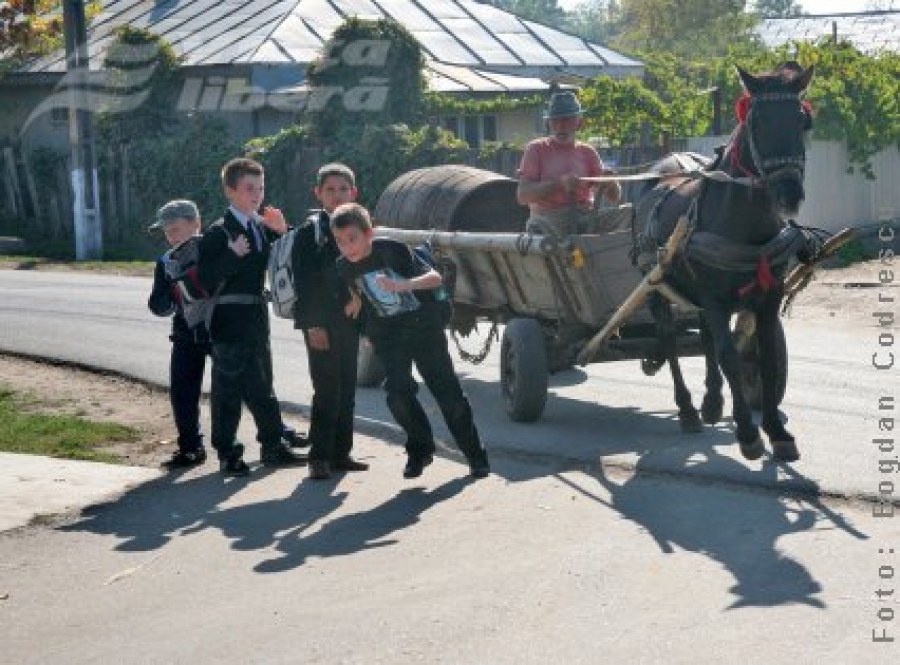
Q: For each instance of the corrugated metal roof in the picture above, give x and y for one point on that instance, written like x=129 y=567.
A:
x=282 y=32
x=870 y=32
x=453 y=78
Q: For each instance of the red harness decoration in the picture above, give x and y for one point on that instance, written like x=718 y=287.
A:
x=742 y=107
x=765 y=281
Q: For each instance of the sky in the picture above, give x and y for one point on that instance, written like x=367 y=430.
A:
x=809 y=6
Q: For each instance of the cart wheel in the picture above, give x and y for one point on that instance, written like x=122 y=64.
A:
x=751 y=383
x=369 y=370
x=523 y=370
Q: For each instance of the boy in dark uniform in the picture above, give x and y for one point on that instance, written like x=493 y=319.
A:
x=232 y=263
x=404 y=321
x=325 y=312
x=179 y=221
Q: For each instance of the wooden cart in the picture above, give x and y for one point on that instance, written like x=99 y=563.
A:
x=560 y=302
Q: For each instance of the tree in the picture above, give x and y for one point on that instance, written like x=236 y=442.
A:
x=145 y=72
x=597 y=21
x=27 y=30
x=777 y=8
x=370 y=72
x=547 y=12
x=686 y=27
x=622 y=110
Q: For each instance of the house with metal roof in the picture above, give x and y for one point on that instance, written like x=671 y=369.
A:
x=259 y=49
x=871 y=32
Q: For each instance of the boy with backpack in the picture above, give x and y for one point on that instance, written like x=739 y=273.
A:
x=325 y=311
x=232 y=264
x=179 y=221
x=405 y=322
x=175 y=285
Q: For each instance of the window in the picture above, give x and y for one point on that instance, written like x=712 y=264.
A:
x=473 y=129
x=59 y=115
x=489 y=128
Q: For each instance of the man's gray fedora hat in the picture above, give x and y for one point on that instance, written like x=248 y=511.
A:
x=172 y=211
x=563 y=105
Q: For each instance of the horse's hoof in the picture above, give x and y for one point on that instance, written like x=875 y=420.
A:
x=785 y=451
x=690 y=422
x=753 y=450
x=711 y=411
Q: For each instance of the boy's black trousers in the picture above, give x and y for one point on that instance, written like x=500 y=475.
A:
x=419 y=338
x=242 y=373
x=333 y=374
x=186 y=367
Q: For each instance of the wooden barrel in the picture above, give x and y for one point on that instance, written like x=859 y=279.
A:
x=452 y=198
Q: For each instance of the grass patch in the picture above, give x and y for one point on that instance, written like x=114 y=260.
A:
x=133 y=268
x=24 y=431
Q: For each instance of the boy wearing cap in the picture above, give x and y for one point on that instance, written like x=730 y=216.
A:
x=179 y=221
x=550 y=172
x=325 y=311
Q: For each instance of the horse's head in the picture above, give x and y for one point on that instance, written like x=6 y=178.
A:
x=774 y=122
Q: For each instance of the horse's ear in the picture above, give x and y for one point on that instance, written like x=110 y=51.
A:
x=751 y=83
x=802 y=82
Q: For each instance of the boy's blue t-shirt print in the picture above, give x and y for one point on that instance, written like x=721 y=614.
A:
x=386 y=303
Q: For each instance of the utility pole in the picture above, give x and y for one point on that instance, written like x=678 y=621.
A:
x=716 y=93
x=88 y=223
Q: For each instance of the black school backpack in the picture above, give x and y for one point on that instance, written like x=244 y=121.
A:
x=181 y=265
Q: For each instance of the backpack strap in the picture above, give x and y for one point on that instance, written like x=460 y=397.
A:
x=315 y=219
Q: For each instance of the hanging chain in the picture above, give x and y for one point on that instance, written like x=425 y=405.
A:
x=477 y=358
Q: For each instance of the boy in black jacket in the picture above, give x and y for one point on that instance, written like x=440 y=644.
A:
x=179 y=221
x=232 y=263
x=324 y=311
x=404 y=321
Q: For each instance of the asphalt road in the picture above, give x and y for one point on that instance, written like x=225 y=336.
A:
x=610 y=411
x=604 y=536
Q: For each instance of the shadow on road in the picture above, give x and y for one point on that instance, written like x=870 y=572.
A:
x=149 y=516
x=740 y=529
x=359 y=531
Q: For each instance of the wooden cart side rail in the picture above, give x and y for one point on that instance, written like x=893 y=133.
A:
x=522 y=243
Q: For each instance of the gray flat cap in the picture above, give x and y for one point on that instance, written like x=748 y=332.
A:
x=174 y=210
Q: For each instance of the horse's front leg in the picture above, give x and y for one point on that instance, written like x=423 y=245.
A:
x=730 y=362
x=665 y=322
x=772 y=365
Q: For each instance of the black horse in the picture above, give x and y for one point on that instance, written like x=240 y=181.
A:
x=736 y=255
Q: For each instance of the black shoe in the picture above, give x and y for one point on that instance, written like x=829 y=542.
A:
x=319 y=469
x=479 y=467
x=184 y=459
x=233 y=465
x=480 y=470
x=280 y=455
x=295 y=439
x=415 y=465
x=349 y=464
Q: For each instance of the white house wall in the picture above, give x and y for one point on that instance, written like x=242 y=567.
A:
x=836 y=199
